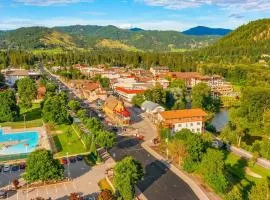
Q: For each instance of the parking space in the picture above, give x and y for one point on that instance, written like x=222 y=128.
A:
x=83 y=180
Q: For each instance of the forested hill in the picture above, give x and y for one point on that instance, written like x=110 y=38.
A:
x=97 y=37
x=202 y=30
x=250 y=40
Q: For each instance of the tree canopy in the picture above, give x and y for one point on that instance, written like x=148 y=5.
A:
x=9 y=110
x=55 y=109
x=41 y=166
x=127 y=173
x=27 y=91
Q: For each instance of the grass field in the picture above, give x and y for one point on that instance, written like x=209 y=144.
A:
x=32 y=118
x=67 y=141
x=236 y=171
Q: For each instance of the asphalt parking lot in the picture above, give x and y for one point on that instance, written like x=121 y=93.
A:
x=83 y=181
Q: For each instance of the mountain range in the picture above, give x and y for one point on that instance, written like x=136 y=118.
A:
x=98 y=37
x=203 y=30
x=250 y=39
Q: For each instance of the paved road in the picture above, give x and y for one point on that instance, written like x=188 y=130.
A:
x=159 y=182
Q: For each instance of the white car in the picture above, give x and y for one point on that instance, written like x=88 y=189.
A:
x=6 y=168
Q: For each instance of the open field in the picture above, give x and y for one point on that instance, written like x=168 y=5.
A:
x=67 y=141
x=32 y=118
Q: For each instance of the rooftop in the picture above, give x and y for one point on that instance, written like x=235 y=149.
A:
x=176 y=114
x=129 y=91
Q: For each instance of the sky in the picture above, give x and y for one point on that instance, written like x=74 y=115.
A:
x=176 y=15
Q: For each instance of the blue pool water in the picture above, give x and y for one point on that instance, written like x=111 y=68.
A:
x=17 y=143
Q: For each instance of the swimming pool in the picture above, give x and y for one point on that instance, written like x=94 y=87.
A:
x=19 y=142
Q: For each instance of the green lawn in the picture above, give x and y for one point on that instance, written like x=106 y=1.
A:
x=32 y=118
x=238 y=164
x=67 y=141
x=235 y=168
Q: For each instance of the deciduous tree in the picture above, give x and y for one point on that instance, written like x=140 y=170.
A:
x=127 y=173
x=41 y=166
x=27 y=91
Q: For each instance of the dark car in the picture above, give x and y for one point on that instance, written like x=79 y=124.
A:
x=15 y=168
x=79 y=158
x=1 y=167
x=22 y=165
x=3 y=194
x=72 y=159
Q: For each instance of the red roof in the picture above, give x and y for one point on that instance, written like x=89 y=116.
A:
x=129 y=91
x=124 y=113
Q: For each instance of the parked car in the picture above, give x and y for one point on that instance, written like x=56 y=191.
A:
x=1 y=167
x=79 y=158
x=72 y=159
x=15 y=168
x=3 y=194
x=6 y=168
x=22 y=165
x=63 y=161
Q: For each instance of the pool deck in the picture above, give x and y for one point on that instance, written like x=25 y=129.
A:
x=43 y=137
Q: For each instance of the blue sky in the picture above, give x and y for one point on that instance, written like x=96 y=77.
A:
x=147 y=14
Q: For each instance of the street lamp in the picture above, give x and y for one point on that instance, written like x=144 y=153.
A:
x=24 y=115
x=68 y=166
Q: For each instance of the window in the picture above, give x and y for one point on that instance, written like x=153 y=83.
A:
x=198 y=123
x=179 y=125
x=198 y=130
x=191 y=124
x=193 y=130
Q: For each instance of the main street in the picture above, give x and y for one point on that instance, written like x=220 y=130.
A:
x=159 y=182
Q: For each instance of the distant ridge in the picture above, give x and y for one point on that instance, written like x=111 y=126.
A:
x=203 y=30
x=136 y=29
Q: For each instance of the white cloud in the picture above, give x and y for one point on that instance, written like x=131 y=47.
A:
x=13 y=23
x=240 y=5
x=48 y=2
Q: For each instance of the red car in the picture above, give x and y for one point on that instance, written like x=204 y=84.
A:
x=63 y=161
x=22 y=165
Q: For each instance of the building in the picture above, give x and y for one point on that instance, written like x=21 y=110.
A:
x=127 y=94
x=12 y=75
x=116 y=111
x=152 y=109
x=187 y=77
x=159 y=70
x=93 y=92
x=211 y=81
x=176 y=120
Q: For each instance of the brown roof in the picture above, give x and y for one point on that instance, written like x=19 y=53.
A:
x=177 y=114
x=18 y=72
x=184 y=75
x=91 y=86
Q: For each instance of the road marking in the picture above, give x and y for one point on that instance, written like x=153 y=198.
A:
x=74 y=185
x=37 y=192
x=47 y=190
x=65 y=186
x=56 y=189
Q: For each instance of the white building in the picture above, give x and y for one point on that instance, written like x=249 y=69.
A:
x=127 y=94
x=176 y=120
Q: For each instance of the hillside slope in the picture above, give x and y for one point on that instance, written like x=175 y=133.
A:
x=250 y=40
x=202 y=30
